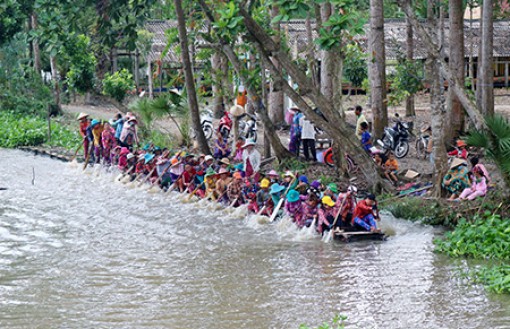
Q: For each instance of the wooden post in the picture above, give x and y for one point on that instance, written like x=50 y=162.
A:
x=506 y=74
x=137 y=69
x=149 y=77
x=49 y=122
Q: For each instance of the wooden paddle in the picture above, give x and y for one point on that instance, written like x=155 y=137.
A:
x=195 y=191
x=280 y=203
x=261 y=211
x=233 y=202
x=159 y=177
x=221 y=195
x=88 y=156
x=146 y=178
x=330 y=232
x=171 y=188
x=119 y=178
x=76 y=152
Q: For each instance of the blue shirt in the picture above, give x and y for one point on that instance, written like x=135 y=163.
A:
x=365 y=138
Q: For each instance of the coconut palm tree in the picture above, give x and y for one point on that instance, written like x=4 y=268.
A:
x=496 y=143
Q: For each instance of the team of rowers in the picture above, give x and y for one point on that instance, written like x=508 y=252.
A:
x=306 y=203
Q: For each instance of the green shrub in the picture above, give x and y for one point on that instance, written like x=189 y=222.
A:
x=415 y=209
x=488 y=237
x=116 y=85
x=23 y=130
x=496 y=278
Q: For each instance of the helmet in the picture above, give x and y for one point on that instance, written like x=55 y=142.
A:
x=353 y=189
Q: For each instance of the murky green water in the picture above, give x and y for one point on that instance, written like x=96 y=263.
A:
x=80 y=251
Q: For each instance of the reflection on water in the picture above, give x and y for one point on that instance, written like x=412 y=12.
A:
x=80 y=251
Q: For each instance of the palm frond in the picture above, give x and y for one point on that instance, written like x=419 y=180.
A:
x=498 y=126
x=477 y=139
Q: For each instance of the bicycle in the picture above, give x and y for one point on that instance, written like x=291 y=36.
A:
x=422 y=143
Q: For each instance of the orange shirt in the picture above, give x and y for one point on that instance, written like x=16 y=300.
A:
x=391 y=164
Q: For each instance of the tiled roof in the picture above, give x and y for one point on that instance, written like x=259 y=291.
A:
x=395 y=38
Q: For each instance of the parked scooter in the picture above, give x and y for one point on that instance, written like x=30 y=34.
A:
x=225 y=125
x=396 y=139
x=248 y=126
x=206 y=123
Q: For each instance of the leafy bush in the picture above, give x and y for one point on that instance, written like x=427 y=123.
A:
x=487 y=238
x=415 y=209
x=496 y=278
x=17 y=130
x=116 y=85
x=81 y=71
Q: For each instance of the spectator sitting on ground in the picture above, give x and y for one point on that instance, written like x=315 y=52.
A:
x=390 y=169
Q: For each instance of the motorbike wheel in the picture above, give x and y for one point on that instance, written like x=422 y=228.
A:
x=402 y=149
x=208 y=130
x=225 y=132
x=252 y=135
x=328 y=157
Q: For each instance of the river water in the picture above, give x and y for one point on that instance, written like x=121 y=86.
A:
x=78 y=250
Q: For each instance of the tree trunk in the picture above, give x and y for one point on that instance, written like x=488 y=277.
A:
x=56 y=85
x=137 y=70
x=486 y=77
x=471 y=37
x=327 y=58
x=35 y=46
x=331 y=72
x=267 y=133
x=149 y=80
x=456 y=63
x=310 y=54
x=276 y=96
x=410 y=111
x=190 y=82
x=113 y=59
x=217 y=106
x=226 y=83
x=377 y=67
x=429 y=38
x=437 y=117
x=342 y=136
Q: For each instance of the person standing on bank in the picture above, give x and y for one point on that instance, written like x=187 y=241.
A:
x=360 y=117
x=308 y=138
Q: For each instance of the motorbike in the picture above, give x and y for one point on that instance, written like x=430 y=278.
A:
x=225 y=125
x=248 y=127
x=396 y=139
x=206 y=123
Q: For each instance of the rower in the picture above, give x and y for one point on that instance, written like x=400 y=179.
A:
x=366 y=214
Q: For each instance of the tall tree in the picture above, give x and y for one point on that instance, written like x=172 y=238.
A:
x=410 y=111
x=35 y=45
x=437 y=116
x=486 y=76
x=276 y=96
x=457 y=64
x=190 y=81
x=377 y=67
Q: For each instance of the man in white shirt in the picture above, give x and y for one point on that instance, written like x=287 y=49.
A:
x=360 y=117
x=308 y=139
